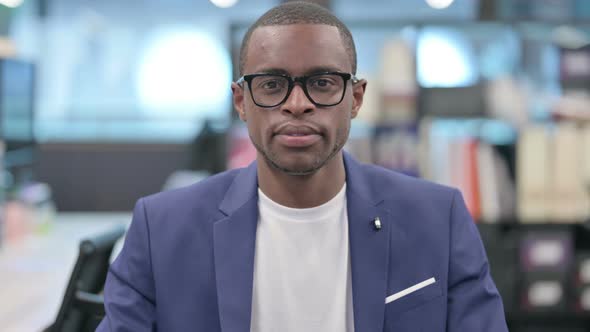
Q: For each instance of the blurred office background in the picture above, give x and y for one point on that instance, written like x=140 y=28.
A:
x=103 y=102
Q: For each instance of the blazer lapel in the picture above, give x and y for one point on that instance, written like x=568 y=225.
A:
x=369 y=250
x=234 y=244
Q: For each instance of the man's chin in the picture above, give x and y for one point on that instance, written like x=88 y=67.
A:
x=300 y=169
x=296 y=172
x=292 y=163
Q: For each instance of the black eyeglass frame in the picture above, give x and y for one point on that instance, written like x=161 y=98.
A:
x=301 y=80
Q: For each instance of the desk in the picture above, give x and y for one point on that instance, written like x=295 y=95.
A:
x=35 y=271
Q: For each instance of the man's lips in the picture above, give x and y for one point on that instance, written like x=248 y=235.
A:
x=297 y=136
x=294 y=130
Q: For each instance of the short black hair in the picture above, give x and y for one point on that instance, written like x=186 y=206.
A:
x=300 y=12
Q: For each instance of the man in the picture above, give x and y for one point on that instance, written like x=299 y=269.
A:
x=306 y=238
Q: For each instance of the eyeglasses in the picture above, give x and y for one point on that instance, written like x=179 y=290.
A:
x=322 y=89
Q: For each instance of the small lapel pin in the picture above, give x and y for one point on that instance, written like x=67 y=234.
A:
x=377 y=223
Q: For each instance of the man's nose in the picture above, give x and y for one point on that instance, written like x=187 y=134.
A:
x=297 y=103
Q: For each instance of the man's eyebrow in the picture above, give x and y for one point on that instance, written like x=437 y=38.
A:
x=278 y=71
x=311 y=71
x=321 y=69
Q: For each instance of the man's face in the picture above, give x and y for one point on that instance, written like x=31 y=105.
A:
x=296 y=136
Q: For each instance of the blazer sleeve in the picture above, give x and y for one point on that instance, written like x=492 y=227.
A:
x=474 y=303
x=129 y=293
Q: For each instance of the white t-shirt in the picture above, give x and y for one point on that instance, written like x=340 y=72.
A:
x=302 y=268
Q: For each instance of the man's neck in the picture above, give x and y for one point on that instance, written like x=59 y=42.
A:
x=302 y=191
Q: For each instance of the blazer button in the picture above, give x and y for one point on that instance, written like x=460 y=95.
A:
x=377 y=223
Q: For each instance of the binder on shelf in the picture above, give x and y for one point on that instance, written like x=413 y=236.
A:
x=497 y=194
x=488 y=184
x=440 y=160
x=532 y=172
x=464 y=173
x=398 y=82
x=568 y=194
x=399 y=68
x=472 y=177
x=425 y=167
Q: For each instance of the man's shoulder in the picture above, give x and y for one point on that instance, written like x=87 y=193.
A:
x=205 y=193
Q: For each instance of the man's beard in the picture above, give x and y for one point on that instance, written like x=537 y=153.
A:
x=271 y=159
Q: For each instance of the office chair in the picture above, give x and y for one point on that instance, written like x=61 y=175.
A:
x=82 y=307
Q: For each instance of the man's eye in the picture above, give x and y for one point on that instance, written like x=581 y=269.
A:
x=321 y=82
x=271 y=84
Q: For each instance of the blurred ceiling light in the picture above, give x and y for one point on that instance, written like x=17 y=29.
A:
x=184 y=71
x=224 y=3
x=11 y=3
x=569 y=37
x=439 y=4
x=444 y=60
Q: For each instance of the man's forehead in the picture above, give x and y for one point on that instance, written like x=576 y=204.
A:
x=311 y=45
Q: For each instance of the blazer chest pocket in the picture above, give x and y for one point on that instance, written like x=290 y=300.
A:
x=413 y=297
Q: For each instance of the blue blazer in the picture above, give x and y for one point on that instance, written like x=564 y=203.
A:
x=188 y=259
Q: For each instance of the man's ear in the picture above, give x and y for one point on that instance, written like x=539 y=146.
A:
x=238 y=100
x=358 y=93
